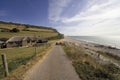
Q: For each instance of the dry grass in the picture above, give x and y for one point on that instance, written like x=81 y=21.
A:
x=18 y=57
x=42 y=30
x=24 y=68
x=11 y=26
x=89 y=69
x=27 y=33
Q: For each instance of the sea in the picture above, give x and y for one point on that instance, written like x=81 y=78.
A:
x=113 y=41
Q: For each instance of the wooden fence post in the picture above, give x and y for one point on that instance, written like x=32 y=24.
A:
x=35 y=51
x=5 y=65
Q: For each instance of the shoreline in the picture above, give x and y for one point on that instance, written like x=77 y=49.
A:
x=101 y=53
x=107 y=43
x=95 y=46
x=88 y=63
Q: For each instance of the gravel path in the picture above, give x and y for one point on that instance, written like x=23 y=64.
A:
x=55 y=66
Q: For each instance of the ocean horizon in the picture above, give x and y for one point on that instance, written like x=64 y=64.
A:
x=108 y=41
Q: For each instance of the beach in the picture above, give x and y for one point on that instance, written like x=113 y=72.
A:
x=102 y=53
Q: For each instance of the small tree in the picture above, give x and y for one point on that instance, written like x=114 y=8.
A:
x=14 y=30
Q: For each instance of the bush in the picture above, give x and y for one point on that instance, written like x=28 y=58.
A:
x=15 y=30
x=4 y=39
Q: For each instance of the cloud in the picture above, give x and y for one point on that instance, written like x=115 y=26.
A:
x=108 y=10
x=86 y=28
x=3 y=13
x=96 y=18
x=56 y=8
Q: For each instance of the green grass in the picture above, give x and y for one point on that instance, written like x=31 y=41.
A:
x=21 y=26
x=42 y=30
x=88 y=69
x=26 y=30
x=10 y=26
x=27 y=33
x=19 y=56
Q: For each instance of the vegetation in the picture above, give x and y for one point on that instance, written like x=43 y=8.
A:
x=3 y=39
x=26 y=30
x=88 y=69
x=59 y=36
x=11 y=25
x=27 y=33
x=14 y=30
x=17 y=57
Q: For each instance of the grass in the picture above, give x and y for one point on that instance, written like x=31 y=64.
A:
x=27 y=33
x=20 y=26
x=26 y=30
x=10 y=26
x=17 y=57
x=43 y=30
x=88 y=69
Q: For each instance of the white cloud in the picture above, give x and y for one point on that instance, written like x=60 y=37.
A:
x=97 y=11
x=56 y=8
x=98 y=18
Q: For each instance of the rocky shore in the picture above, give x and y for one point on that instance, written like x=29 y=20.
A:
x=102 y=53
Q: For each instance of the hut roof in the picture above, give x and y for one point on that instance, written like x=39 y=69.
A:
x=42 y=38
x=33 y=38
x=26 y=39
x=15 y=38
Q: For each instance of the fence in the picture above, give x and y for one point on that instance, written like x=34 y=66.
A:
x=16 y=57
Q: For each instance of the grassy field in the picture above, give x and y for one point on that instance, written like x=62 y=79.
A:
x=88 y=69
x=10 y=26
x=25 y=30
x=20 y=56
x=27 y=33
x=42 y=30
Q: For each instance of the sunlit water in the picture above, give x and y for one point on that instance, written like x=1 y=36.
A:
x=110 y=41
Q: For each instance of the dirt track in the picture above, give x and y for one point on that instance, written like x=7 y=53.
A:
x=55 y=66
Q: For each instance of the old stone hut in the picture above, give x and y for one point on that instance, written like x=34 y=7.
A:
x=15 y=41
x=19 y=41
x=42 y=40
x=29 y=41
x=26 y=41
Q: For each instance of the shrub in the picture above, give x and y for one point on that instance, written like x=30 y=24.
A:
x=14 y=30
x=3 y=39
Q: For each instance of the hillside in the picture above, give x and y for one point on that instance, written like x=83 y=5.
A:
x=19 y=57
x=26 y=30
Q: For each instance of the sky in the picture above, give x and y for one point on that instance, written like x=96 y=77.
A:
x=70 y=17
